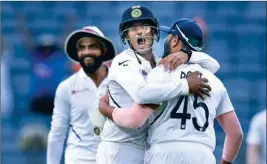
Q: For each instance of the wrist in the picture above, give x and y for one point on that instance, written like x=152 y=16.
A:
x=225 y=162
x=188 y=52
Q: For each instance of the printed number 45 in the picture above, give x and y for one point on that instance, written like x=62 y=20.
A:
x=187 y=116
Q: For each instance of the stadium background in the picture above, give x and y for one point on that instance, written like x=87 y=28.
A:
x=236 y=38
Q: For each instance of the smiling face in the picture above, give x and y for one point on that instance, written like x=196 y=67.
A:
x=90 y=53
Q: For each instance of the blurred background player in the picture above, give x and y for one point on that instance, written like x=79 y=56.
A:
x=7 y=98
x=256 y=139
x=50 y=65
x=77 y=96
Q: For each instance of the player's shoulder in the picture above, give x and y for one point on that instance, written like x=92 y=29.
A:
x=260 y=116
x=215 y=83
x=214 y=80
x=183 y=70
x=123 y=59
x=66 y=83
x=219 y=83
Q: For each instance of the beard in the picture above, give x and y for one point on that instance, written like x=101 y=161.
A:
x=167 y=48
x=92 y=67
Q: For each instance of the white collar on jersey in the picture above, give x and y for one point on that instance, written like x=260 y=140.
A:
x=82 y=74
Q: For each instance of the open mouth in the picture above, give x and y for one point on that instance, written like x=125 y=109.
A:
x=141 y=42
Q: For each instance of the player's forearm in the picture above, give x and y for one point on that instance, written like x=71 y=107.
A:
x=134 y=117
x=225 y=162
x=157 y=93
x=96 y=117
x=205 y=61
x=234 y=135
x=105 y=109
x=55 y=144
x=231 y=146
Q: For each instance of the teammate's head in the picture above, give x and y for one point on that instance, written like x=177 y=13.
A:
x=184 y=34
x=90 y=48
x=139 y=28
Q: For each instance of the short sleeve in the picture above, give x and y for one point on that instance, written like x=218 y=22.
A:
x=225 y=104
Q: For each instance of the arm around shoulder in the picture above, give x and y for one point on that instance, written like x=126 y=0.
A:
x=205 y=61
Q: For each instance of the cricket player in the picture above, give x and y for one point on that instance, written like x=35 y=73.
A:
x=187 y=121
x=182 y=131
x=77 y=96
x=256 y=139
x=128 y=85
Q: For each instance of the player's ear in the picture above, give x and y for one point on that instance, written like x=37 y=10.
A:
x=105 y=51
x=174 y=41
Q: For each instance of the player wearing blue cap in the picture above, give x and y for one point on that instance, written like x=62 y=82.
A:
x=181 y=130
x=187 y=121
x=140 y=29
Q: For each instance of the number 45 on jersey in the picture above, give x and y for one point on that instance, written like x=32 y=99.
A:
x=184 y=116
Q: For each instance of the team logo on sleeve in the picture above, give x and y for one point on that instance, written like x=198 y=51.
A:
x=136 y=13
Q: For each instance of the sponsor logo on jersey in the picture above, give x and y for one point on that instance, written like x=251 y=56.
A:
x=80 y=91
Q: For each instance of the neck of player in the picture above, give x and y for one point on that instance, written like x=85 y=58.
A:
x=99 y=75
x=149 y=57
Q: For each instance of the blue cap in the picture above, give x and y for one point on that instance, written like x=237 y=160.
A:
x=188 y=31
x=138 y=13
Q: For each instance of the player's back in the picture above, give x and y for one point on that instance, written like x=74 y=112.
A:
x=185 y=118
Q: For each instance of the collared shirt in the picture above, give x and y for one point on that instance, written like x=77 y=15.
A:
x=128 y=85
x=74 y=97
x=257 y=134
x=187 y=118
x=125 y=76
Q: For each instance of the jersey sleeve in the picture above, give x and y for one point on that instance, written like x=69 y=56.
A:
x=254 y=132
x=225 y=104
x=130 y=78
x=169 y=87
x=59 y=125
x=205 y=61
